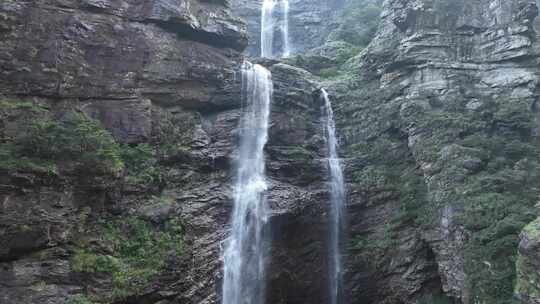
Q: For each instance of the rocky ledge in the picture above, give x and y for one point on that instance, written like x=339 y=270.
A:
x=528 y=264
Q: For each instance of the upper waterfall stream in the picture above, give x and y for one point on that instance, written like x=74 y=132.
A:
x=337 y=199
x=245 y=249
x=270 y=19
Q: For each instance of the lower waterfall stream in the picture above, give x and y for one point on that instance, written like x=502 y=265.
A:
x=245 y=249
x=337 y=200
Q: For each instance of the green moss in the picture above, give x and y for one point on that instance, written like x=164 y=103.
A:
x=358 y=24
x=393 y=170
x=335 y=52
x=347 y=53
x=514 y=115
x=391 y=177
x=85 y=261
x=12 y=160
x=137 y=251
x=528 y=281
x=533 y=229
x=41 y=144
x=439 y=298
x=161 y=200
x=329 y=72
x=440 y=128
x=372 y=177
x=79 y=299
x=77 y=138
x=296 y=153
x=374 y=245
x=494 y=203
x=8 y=105
x=141 y=164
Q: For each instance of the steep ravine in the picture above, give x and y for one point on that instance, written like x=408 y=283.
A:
x=118 y=133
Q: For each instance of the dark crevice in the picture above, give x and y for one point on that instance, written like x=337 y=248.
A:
x=432 y=290
x=185 y=31
x=58 y=98
x=21 y=253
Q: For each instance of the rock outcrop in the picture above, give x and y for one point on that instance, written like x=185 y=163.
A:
x=528 y=264
x=429 y=115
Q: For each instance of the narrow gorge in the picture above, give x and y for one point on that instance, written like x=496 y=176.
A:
x=269 y=152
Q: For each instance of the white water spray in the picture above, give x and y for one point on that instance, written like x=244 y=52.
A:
x=272 y=21
x=285 y=28
x=337 y=197
x=267 y=28
x=245 y=250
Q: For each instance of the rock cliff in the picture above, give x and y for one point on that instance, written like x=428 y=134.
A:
x=119 y=126
x=430 y=116
x=162 y=78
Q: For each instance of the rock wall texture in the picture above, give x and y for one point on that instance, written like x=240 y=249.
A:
x=119 y=133
x=429 y=116
x=162 y=76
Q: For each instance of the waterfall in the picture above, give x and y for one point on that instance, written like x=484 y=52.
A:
x=285 y=28
x=245 y=250
x=267 y=28
x=269 y=22
x=337 y=198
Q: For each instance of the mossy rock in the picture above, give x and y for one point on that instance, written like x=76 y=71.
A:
x=130 y=251
x=338 y=51
x=44 y=143
x=528 y=264
x=359 y=23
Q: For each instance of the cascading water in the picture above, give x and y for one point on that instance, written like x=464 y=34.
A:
x=285 y=28
x=337 y=197
x=245 y=250
x=269 y=22
x=267 y=28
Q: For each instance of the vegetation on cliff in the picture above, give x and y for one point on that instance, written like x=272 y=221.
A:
x=527 y=265
x=130 y=251
x=42 y=142
x=358 y=23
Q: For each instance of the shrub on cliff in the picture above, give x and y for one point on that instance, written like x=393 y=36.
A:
x=358 y=24
x=36 y=141
x=141 y=164
x=75 y=137
x=130 y=251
